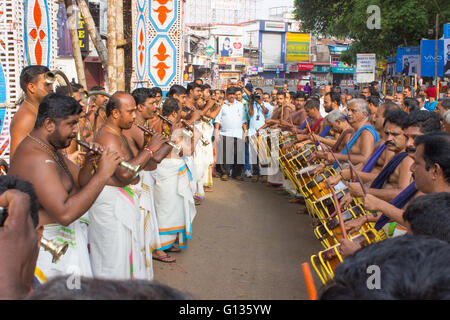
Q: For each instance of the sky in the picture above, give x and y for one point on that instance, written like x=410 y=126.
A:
x=266 y=4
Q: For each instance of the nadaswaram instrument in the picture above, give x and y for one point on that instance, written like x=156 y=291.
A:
x=134 y=169
x=176 y=147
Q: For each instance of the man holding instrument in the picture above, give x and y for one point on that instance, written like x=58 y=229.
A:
x=62 y=200
x=35 y=88
x=145 y=99
x=114 y=233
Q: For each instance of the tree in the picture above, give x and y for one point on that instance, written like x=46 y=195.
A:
x=403 y=22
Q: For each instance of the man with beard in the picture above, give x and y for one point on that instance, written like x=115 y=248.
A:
x=114 y=233
x=96 y=115
x=193 y=92
x=35 y=88
x=299 y=116
x=395 y=175
x=137 y=140
x=331 y=101
x=418 y=124
x=62 y=201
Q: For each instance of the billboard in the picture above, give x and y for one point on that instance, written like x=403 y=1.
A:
x=271 y=48
x=297 y=47
x=408 y=60
x=231 y=46
x=428 y=57
x=447 y=57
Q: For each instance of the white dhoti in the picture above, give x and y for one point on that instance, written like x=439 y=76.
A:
x=204 y=158
x=114 y=235
x=76 y=259
x=148 y=224
x=174 y=203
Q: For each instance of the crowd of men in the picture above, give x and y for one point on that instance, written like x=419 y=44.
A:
x=118 y=177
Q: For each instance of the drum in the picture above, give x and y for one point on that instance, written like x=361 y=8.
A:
x=326 y=261
x=305 y=175
x=324 y=207
x=303 y=159
x=317 y=188
x=329 y=233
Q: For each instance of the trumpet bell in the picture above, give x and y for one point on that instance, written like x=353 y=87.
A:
x=50 y=77
x=56 y=250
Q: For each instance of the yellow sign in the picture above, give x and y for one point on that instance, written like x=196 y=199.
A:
x=231 y=60
x=297 y=47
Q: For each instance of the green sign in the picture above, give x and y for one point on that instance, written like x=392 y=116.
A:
x=343 y=69
x=318 y=68
x=210 y=51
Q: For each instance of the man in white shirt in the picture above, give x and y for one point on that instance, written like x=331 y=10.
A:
x=230 y=130
x=259 y=111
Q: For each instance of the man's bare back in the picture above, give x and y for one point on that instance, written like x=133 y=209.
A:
x=22 y=124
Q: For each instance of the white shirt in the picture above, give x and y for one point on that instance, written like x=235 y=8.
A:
x=322 y=111
x=231 y=117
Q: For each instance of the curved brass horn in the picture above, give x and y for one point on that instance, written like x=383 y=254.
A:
x=57 y=250
x=50 y=77
x=87 y=94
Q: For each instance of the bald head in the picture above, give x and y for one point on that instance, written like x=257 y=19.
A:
x=118 y=99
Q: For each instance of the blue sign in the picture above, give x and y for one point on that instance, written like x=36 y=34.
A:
x=427 y=58
x=447 y=31
x=404 y=51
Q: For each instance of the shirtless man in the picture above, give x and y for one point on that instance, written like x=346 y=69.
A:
x=146 y=110
x=299 y=116
x=96 y=115
x=365 y=136
x=35 y=89
x=114 y=233
x=62 y=201
x=401 y=177
x=281 y=114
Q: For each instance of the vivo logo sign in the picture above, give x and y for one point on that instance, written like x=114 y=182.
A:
x=430 y=57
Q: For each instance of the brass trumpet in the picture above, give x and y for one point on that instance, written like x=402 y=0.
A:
x=134 y=169
x=176 y=147
x=50 y=77
x=57 y=250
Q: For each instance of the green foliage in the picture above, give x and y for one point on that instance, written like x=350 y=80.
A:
x=403 y=22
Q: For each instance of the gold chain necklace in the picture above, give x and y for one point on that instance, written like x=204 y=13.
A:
x=53 y=154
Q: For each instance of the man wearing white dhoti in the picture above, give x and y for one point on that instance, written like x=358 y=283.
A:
x=174 y=202
x=114 y=232
x=62 y=202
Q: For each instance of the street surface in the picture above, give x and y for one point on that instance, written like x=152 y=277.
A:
x=248 y=242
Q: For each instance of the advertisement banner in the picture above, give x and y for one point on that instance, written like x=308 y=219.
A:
x=230 y=46
x=229 y=60
x=365 y=67
x=297 y=47
x=447 y=57
x=407 y=61
x=428 y=56
x=306 y=66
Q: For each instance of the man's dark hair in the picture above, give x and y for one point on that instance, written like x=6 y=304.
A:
x=427 y=121
x=76 y=86
x=373 y=99
x=412 y=104
x=334 y=96
x=239 y=89
x=389 y=106
x=14 y=182
x=361 y=96
x=62 y=90
x=446 y=103
x=312 y=104
x=205 y=86
x=436 y=150
x=158 y=90
x=191 y=86
x=113 y=103
x=423 y=221
x=141 y=95
x=231 y=90
x=105 y=289
x=397 y=117
x=280 y=93
x=170 y=105
x=30 y=74
x=56 y=107
x=176 y=89
x=201 y=79
x=300 y=94
x=410 y=268
x=97 y=88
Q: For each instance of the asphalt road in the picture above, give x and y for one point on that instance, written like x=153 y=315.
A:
x=248 y=242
